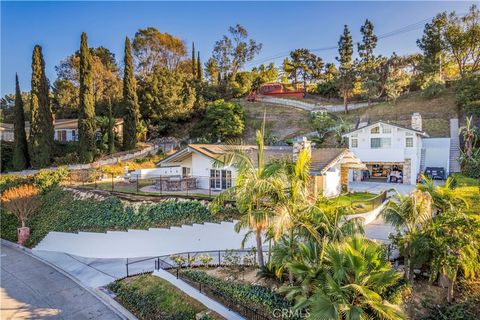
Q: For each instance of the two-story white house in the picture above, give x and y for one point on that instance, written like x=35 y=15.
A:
x=394 y=153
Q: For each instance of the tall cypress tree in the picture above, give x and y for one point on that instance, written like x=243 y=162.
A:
x=130 y=101
x=194 y=65
x=21 y=159
x=86 y=112
x=41 y=128
x=345 y=51
x=199 y=68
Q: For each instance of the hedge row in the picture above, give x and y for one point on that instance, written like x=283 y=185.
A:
x=254 y=296
x=60 y=211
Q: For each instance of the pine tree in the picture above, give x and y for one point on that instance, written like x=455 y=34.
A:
x=21 y=159
x=41 y=128
x=111 y=134
x=86 y=111
x=369 y=62
x=199 y=67
x=346 y=71
x=194 y=64
x=130 y=101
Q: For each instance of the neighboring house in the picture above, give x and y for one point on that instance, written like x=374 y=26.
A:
x=394 y=153
x=65 y=129
x=196 y=162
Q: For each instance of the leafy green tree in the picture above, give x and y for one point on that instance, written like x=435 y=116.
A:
x=305 y=65
x=41 y=129
x=397 y=79
x=212 y=71
x=351 y=282
x=222 y=121
x=105 y=78
x=130 y=101
x=432 y=45
x=461 y=38
x=86 y=114
x=409 y=214
x=165 y=96
x=263 y=74
x=153 y=49
x=232 y=52
x=322 y=123
x=346 y=69
x=444 y=198
x=467 y=95
x=21 y=159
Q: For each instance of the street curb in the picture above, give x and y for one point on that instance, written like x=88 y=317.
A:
x=109 y=302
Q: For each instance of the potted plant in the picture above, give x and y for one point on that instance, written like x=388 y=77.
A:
x=22 y=201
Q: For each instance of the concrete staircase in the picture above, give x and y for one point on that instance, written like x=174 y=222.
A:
x=146 y=243
x=454 y=146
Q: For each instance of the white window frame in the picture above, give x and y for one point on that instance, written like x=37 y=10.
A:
x=382 y=143
x=354 y=142
x=409 y=142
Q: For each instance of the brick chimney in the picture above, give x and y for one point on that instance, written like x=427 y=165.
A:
x=417 y=121
x=299 y=145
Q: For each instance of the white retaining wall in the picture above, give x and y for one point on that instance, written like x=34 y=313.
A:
x=146 y=243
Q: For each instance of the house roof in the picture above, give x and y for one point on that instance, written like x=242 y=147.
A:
x=421 y=133
x=321 y=159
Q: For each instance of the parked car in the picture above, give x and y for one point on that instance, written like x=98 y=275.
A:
x=435 y=173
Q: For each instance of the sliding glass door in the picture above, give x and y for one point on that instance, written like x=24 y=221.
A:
x=220 y=179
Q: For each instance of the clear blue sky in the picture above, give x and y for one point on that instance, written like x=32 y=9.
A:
x=280 y=26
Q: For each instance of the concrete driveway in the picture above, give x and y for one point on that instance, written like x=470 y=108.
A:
x=377 y=187
x=31 y=289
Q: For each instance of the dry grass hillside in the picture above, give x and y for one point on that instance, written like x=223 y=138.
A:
x=281 y=121
x=287 y=122
x=435 y=112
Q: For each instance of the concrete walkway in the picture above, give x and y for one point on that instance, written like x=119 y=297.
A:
x=377 y=187
x=31 y=289
x=197 y=295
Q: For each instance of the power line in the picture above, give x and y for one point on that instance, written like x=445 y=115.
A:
x=405 y=29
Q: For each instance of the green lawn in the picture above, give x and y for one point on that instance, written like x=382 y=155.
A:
x=150 y=297
x=358 y=201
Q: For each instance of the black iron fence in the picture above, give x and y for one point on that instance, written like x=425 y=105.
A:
x=370 y=204
x=189 y=185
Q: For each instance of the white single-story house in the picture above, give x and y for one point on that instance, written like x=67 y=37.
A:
x=395 y=153
x=65 y=129
x=196 y=162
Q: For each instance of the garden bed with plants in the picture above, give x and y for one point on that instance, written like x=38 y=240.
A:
x=61 y=211
x=150 y=297
x=261 y=299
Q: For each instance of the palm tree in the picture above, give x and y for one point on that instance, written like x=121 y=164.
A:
x=469 y=137
x=254 y=189
x=444 y=197
x=455 y=239
x=408 y=214
x=352 y=283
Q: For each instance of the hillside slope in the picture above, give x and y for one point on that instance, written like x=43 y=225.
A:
x=286 y=122
x=435 y=112
x=283 y=122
